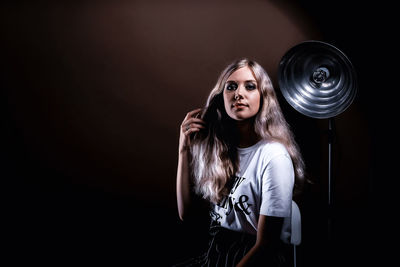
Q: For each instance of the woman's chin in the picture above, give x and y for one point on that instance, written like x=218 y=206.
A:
x=241 y=117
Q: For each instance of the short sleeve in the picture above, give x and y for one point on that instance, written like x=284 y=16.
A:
x=277 y=187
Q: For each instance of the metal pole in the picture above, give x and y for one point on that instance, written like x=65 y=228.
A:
x=330 y=178
x=294 y=256
x=330 y=140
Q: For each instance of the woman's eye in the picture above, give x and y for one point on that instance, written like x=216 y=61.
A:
x=251 y=86
x=231 y=87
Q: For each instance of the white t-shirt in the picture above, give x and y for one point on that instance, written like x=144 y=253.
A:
x=263 y=185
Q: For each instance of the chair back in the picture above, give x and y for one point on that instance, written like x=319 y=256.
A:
x=291 y=229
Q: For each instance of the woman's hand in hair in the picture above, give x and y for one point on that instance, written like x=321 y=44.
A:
x=190 y=124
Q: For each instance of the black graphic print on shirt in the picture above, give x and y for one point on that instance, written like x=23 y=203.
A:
x=239 y=203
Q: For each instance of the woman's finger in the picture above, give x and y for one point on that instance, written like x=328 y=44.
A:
x=192 y=130
x=192 y=125
x=187 y=125
x=193 y=112
x=194 y=120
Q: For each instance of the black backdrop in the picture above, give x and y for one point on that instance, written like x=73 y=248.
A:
x=93 y=94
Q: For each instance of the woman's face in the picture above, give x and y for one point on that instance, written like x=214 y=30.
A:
x=241 y=95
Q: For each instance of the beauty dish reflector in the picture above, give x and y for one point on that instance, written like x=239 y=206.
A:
x=317 y=79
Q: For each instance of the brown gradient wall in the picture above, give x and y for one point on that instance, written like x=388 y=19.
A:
x=95 y=92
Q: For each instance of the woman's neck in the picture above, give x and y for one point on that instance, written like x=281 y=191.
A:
x=247 y=135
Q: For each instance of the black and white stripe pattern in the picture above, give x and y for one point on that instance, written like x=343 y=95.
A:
x=226 y=248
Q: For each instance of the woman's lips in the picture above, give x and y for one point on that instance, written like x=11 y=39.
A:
x=239 y=105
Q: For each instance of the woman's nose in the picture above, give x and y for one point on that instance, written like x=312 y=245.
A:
x=239 y=92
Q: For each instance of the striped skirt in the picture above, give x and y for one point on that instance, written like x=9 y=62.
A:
x=226 y=248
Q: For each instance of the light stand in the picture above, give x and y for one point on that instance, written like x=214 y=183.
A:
x=319 y=81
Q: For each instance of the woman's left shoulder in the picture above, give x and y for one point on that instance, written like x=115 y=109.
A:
x=270 y=150
x=273 y=147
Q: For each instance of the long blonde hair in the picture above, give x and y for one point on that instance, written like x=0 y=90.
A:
x=214 y=149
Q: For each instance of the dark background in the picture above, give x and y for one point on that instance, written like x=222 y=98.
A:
x=93 y=95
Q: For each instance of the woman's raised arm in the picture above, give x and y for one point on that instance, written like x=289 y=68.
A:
x=189 y=125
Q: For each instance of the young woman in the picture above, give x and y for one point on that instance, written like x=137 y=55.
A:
x=239 y=154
